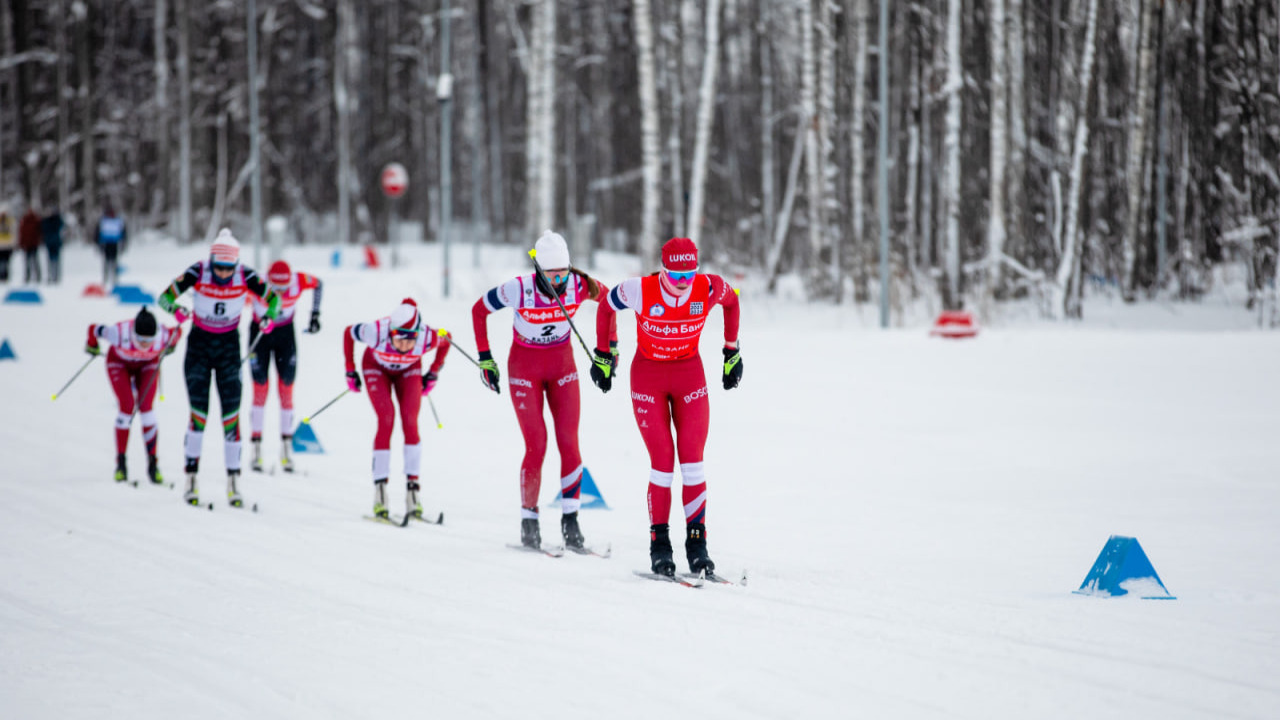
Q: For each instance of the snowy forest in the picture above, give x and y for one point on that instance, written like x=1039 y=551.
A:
x=1034 y=148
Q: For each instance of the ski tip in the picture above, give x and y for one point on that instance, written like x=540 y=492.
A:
x=743 y=580
x=210 y=507
x=255 y=507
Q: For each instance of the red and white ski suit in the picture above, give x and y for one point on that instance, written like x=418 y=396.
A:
x=133 y=371
x=668 y=386
x=387 y=371
x=540 y=365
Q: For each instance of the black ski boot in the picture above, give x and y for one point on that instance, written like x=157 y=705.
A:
x=530 y=535
x=122 y=472
x=660 y=550
x=695 y=550
x=153 y=470
x=572 y=533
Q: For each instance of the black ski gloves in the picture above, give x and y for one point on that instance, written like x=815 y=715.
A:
x=602 y=368
x=732 y=368
x=489 y=374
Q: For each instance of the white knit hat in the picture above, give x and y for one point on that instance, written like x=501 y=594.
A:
x=226 y=249
x=551 y=251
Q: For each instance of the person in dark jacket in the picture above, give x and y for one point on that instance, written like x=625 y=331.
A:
x=51 y=232
x=29 y=241
x=8 y=241
x=111 y=237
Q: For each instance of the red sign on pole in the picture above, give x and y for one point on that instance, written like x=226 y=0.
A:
x=395 y=180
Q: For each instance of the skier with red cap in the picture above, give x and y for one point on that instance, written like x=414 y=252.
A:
x=392 y=364
x=541 y=365
x=133 y=365
x=668 y=386
x=221 y=287
x=278 y=340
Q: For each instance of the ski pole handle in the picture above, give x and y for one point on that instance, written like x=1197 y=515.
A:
x=307 y=419
x=73 y=377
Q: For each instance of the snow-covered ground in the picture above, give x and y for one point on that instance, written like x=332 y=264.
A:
x=914 y=514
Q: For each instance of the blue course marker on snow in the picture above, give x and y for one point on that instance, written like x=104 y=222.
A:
x=132 y=295
x=305 y=440
x=1122 y=567
x=6 y=351
x=23 y=297
x=588 y=493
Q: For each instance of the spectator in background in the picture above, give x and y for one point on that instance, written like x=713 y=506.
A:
x=111 y=237
x=29 y=241
x=7 y=241
x=51 y=232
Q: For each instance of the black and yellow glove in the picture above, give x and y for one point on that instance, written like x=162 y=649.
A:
x=732 y=368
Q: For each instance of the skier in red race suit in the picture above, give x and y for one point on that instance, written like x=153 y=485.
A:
x=133 y=366
x=668 y=386
x=278 y=341
x=541 y=365
x=392 y=363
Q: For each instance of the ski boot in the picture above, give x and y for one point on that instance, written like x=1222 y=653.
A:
x=153 y=470
x=380 y=499
x=660 y=550
x=530 y=535
x=190 y=495
x=122 y=472
x=695 y=550
x=286 y=460
x=233 y=494
x=256 y=464
x=572 y=533
x=412 y=507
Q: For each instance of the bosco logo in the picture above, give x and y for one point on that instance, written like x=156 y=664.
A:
x=696 y=395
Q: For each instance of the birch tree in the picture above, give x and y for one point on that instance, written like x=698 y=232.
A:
x=950 y=185
x=1062 y=304
x=161 y=64
x=344 y=102
x=540 y=120
x=998 y=139
x=1138 y=120
x=183 y=16
x=809 y=111
x=706 y=112
x=649 y=130
x=857 y=50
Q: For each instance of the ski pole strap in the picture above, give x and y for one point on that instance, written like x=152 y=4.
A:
x=73 y=377
x=534 y=254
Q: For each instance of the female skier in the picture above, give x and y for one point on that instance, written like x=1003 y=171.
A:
x=668 y=386
x=281 y=342
x=133 y=366
x=541 y=364
x=393 y=363
x=222 y=286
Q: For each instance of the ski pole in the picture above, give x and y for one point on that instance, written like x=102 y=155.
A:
x=307 y=420
x=432 y=403
x=137 y=407
x=534 y=254
x=261 y=334
x=455 y=347
x=73 y=377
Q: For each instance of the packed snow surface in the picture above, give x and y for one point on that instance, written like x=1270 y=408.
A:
x=914 y=514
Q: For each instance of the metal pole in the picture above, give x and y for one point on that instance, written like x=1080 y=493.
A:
x=254 y=155
x=882 y=164
x=444 y=93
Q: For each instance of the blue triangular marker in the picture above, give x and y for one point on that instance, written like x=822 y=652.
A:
x=6 y=352
x=23 y=297
x=1123 y=567
x=133 y=295
x=305 y=440
x=588 y=494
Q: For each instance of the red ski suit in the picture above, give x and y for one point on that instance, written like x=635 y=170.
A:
x=668 y=386
x=541 y=365
x=133 y=371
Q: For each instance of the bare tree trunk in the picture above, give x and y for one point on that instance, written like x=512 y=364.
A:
x=998 y=139
x=66 y=163
x=857 y=32
x=344 y=102
x=1138 y=120
x=652 y=159
x=491 y=101
x=706 y=112
x=767 y=170
x=669 y=49
x=540 y=120
x=220 y=191
x=7 y=85
x=159 y=191
x=951 y=150
x=1064 y=293
x=913 y=163
x=826 y=143
x=182 y=15
x=813 y=161
x=1015 y=193
x=88 y=146
x=773 y=262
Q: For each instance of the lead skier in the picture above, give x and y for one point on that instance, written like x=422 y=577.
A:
x=668 y=386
